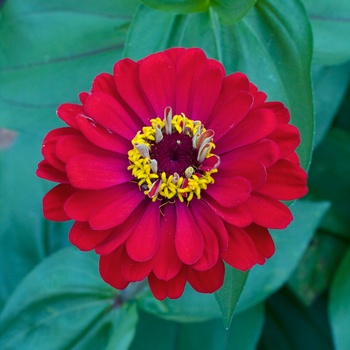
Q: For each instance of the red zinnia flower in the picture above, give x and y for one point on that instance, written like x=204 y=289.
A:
x=169 y=169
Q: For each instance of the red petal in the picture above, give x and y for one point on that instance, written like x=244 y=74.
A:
x=280 y=110
x=104 y=208
x=229 y=191
x=189 y=239
x=46 y=171
x=207 y=281
x=68 y=112
x=54 y=200
x=104 y=82
x=256 y=125
x=262 y=240
x=88 y=171
x=174 y=53
x=157 y=79
x=102 y=137
x=227 y=115
x=172 y=288
x=263 y=151
x=134 y=271
x=110 y=269
x=126 y=75
x=239 y=216
x=123 y=201
x=211 y=250
x=197 y=87
x=108 y=112
x=82 y=236
x=122 y=232
x=71 y=145
x=167 y=263
x=259 y=96
x=269 y=212
x=208 y=220
x=250 y=169
x=241 y=252
x=144 y=239
x=287 y=138
x=285 y=180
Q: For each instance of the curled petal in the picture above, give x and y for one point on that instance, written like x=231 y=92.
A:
x=172 y=288
x=286 y=181
x=110 y=269
x=82 y=236
x=54 y=200
x=207 y=281
x=241 y=252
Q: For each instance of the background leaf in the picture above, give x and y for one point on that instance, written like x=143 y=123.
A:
x=330 y=84
x=59 y=47
x=331 y=27
x=293 y=326
x=329 y=180
x=64 y=296
x=269 y=45
x=339 y=306
x=157 y=334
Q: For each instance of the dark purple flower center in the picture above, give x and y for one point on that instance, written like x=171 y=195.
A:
x=174 y=154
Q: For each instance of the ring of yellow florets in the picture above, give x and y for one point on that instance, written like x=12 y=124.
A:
x=159 y=185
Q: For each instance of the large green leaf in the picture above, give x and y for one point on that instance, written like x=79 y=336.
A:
x=290 y=246
x=51 y=50
x=331 y=29
x=339 y=306
x=64 y=304
x=272 y=45
x=156 y=334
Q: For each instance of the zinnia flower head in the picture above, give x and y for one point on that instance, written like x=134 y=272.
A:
x=169 y=168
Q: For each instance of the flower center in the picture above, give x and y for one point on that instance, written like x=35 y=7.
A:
x=172 y=158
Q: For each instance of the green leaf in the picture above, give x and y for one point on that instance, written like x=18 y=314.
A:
x=329 y=180
x=156 y=334
x=63 y=303
x=191 y=307
x=51 y=51
x=339 y=305
x=271 y=44
x=228 y=295
x=230 y=11
x=315 y=271
x=25 y=238
x=178 y=6
x=330 y=83
x=124 y=329
x=290 y=246
x=291 y=325
x=331 y=27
